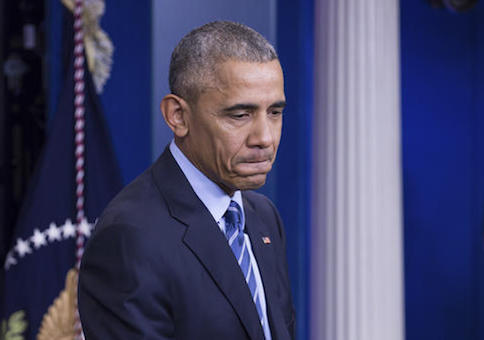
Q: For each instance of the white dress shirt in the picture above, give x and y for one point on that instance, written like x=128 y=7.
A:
x=217 y=202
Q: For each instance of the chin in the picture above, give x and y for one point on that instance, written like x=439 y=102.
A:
x=252 y=183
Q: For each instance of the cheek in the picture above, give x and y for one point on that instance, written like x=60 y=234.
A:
x=278 y=131
x=229 y=151
x=277 y=138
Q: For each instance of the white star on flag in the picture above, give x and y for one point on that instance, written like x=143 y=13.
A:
x=22 y=247
x=68 y=229
x=53 y=233
x=85 y=228
x=10 y=260
x=38 y=239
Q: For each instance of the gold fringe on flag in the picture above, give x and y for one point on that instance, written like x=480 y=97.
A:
x=99 y=48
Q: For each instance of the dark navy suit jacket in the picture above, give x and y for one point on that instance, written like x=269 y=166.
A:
x=158 y=266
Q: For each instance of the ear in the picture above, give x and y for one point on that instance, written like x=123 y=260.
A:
x=175 y=110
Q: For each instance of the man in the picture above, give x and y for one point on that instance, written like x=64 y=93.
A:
x=185 y=251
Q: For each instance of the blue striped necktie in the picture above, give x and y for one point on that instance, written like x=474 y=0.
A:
x=234 y=231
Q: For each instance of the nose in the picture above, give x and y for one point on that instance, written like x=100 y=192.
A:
x=263 y=132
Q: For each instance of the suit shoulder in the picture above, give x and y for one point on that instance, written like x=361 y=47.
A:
x=254 y=197
x=258 y=201
x=262 y=205
x=136 y=204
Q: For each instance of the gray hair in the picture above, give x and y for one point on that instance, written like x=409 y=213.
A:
x=194 y=59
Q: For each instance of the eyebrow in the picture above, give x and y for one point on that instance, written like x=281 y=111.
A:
x=280 y=105
x=252 y=107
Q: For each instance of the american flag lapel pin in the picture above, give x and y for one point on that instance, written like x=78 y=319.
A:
x=266 y=240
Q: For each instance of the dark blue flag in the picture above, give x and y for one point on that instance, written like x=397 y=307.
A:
x=44 y=248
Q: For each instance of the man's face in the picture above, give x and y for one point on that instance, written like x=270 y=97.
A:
x=235 y=126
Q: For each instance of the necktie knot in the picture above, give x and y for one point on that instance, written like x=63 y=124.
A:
x=233 y=216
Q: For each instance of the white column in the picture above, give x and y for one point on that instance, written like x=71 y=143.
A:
x=356 y=260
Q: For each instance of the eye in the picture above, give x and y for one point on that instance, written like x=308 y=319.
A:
x=276 y=113
x=239 y=115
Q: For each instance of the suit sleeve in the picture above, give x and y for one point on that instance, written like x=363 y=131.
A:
x=121 y=296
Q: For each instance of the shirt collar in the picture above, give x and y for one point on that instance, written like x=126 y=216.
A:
x=211 y=195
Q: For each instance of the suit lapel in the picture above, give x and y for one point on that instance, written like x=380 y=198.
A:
x=266 y=261
x=225 y=271
x=204 y=238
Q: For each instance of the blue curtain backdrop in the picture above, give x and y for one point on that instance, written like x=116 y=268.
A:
x=442 y=62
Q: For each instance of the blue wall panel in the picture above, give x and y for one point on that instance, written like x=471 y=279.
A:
x=295 y=47
x=478 y=171
x=441 y=129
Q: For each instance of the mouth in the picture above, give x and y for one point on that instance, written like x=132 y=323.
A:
x=255 y=167
x=262 y=160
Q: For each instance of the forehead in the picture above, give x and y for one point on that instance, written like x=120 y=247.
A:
x=239 y=73
x=236 y=82
x=247 y=82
